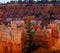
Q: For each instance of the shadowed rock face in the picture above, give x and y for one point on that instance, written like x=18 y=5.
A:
x=21 y=10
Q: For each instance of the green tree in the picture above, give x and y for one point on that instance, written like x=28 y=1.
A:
x=30 y=33
x=29 y=37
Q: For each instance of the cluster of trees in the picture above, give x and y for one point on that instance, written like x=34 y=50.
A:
x=33 y=1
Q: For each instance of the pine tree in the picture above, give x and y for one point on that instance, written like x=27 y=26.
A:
x=29 y=37
x=30 y=32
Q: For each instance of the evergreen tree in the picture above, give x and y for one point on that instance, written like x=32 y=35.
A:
x=29 y=36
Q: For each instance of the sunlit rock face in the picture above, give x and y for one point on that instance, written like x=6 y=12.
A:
x=10 y=38
x=54 y=27
x=16 y=36
x=17 y=24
